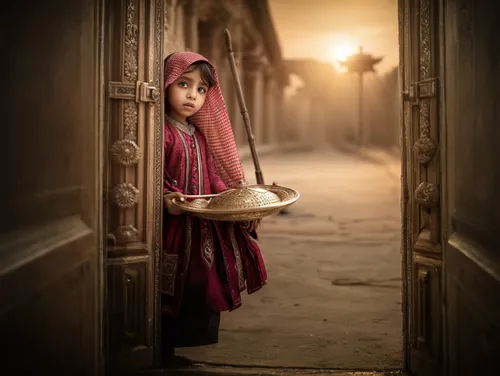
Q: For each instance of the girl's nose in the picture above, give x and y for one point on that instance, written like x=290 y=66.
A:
x=191 y=94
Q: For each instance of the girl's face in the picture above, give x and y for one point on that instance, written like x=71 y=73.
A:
x=186 y=95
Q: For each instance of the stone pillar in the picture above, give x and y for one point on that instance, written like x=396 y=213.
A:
x=254 y=83
x=320 y=122
x=279 y=126
x=231 y=93
x=208 y=40
x=297 y=116
x=269 y=106
x=191 y=24
x=225 y=77
x=174 y=27
x=226 y=80
x=237 y=122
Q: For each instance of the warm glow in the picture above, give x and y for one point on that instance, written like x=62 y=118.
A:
x=342 y=52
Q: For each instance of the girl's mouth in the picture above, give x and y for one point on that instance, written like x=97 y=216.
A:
x=190 y=105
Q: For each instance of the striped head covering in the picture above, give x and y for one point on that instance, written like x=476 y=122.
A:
x=212 y=119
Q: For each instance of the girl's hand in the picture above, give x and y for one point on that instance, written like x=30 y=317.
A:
x=167 y=199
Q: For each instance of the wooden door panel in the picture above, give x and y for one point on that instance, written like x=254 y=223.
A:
x=426 y=329
x=49 y=238
x=472 y=274
x=421 y=213
x=128 y=305
x=472 y=283
x=133 y=181
x=49 y=296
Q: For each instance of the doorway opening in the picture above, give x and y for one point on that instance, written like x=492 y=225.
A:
x=333 y=298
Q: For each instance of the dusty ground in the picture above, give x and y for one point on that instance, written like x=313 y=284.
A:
x=204 y=370
x=333 y=298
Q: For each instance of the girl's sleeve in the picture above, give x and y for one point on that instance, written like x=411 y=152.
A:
x=169 y=184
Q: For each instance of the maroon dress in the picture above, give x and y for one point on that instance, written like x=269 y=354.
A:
x=205 y=264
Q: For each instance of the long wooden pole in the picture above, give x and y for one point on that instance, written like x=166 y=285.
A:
x=243 y=108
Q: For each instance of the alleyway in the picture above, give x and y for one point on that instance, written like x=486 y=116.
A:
x=333 y=299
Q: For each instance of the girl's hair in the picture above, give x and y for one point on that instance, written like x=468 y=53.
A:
x=206 y=72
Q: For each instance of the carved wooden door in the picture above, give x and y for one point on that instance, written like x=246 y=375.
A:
x=133 y=180
x=421 y=217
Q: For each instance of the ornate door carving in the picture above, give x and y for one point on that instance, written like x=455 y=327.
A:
x=421 y=240
x=133 y=179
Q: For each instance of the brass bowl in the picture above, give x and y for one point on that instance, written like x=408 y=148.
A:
x=241 y=204
x=199 y=203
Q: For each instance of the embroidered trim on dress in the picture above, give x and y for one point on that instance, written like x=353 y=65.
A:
x=189 y=128
x=207 y=248
x=188 y=163
x=189 y=218
x=200 y=167
x=187 y=249
x=237 y=255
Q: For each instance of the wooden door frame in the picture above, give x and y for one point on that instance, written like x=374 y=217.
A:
x=404 y=187
x=406 y=253
x=132 y=214
x=101 y=257
x=444 y=168
x=407 y=77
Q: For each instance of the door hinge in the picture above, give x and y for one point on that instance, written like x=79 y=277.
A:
x=140 y=91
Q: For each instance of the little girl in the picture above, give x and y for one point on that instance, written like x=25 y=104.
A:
x=205 y=264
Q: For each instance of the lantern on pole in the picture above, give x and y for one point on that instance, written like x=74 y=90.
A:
x=360 y=63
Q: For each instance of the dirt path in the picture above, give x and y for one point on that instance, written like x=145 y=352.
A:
x=333 y=299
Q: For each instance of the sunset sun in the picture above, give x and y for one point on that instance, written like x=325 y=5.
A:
x=342 y=52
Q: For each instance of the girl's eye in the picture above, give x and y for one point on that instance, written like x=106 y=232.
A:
x=183 y=84
x=202 y=90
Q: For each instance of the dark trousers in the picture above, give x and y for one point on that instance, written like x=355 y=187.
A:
x=190 y=330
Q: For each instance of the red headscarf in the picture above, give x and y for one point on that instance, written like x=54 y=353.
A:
x=212 y=119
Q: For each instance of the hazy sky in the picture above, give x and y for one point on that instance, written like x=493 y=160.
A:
x=317 y=28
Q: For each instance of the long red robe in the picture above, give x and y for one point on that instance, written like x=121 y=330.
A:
x=205 y=264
